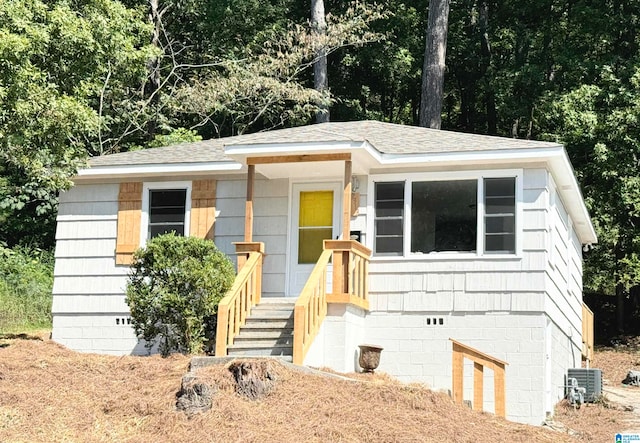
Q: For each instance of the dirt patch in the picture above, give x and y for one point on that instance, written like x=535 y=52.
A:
x=50 y=394
x=616 y=363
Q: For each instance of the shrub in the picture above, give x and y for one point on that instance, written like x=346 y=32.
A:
x=173 y=291
x=26 y=280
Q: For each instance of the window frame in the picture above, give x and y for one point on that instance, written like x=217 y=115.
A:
x=479 y=176
x=159 y=186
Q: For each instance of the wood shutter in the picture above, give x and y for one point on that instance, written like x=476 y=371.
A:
x=203 y=208
x=129 y=213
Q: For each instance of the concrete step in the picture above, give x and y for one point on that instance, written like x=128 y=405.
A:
x=264 y=342
x=270 y=314
x=268 y=325
x=256 y=349
x=267 y=334
x=273 y=307
x=278 y=300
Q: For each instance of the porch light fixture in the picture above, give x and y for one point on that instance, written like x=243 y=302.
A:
x=355 y=183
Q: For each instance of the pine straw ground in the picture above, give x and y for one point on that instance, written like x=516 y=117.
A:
x=51 y=394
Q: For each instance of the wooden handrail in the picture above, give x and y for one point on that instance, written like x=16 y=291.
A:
x=587 y=333
x=480 y=361
x=310 y=309
x=350 y=285
x=234 y=308
x=350 y=272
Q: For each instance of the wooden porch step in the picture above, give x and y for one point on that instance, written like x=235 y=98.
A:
x=268 y=331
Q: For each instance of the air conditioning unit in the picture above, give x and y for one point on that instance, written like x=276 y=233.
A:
x=590 y=379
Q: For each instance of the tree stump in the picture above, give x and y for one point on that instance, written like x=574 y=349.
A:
x=254 y=379
x=194 y=396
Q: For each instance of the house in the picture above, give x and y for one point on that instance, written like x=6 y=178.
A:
x=459 y=254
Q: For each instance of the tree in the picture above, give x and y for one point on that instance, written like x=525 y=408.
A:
x=434 y=64
x=174 y=289
x=265 y=88
x=320 y=79
x=66 y=76
x=599 y=125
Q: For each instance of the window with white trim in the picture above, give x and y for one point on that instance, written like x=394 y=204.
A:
x=167 y=211
x=463 y=215
x=166 y=208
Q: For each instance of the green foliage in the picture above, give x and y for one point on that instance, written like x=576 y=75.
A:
x=263 y=87
x=26 y=280
x=68 y=76
x=599 y=125
x=174 y=289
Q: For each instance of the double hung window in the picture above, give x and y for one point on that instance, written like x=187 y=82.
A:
x=167 y=211
x=475 y=215
x=166 y=208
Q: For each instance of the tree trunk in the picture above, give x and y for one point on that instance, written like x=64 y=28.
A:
x=620 y=294
x=488 y=74
x=320 y=80
x=153 y=66
x=434 y=64
x=254 y=379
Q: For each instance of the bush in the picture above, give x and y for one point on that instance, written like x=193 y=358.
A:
x=173 y=291
x=26 y=280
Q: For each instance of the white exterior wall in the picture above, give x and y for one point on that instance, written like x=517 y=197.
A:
x=336 y=345
x=497 y=305
x=89 y=309
x=563 y=302
x=417 y=351
x=270 y=221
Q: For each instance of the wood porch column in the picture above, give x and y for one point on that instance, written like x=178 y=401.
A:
x=248 y=211
x=346 y=202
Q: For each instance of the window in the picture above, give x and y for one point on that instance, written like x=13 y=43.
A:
x=167 y=209
x=464 y=215
x=444 y=216
x=500 y=215
x=389 y=216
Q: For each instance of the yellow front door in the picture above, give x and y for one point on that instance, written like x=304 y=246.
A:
x=315 y=224
x=315 y=217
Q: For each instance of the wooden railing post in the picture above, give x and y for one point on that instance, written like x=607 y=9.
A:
x=478 y=386
x=350 y=267
x=480 y=361
x=587 y=332
x=457 y=387
x=245 y=293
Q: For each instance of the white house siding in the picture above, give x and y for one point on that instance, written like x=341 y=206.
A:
x=270 y=221
x=563 y=303
x=89 y=311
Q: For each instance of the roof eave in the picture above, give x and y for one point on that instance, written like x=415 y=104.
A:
x=156 y=170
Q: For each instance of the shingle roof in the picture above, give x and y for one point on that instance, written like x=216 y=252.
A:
x=388 y=138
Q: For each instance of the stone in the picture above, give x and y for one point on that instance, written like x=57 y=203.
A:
x=632 y=378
